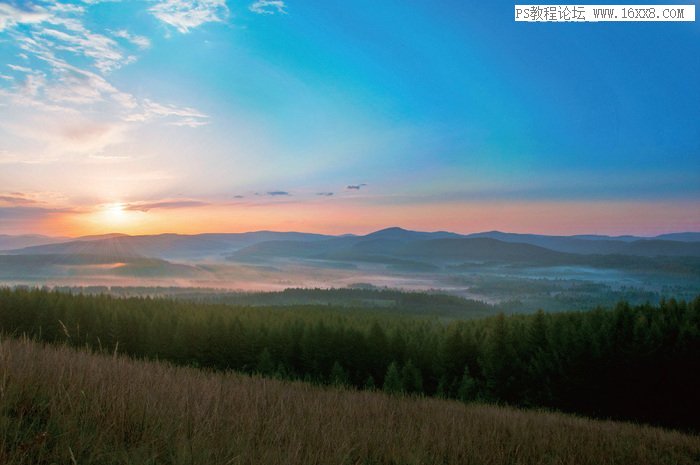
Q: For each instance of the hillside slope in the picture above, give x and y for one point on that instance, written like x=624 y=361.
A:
x=62 y=406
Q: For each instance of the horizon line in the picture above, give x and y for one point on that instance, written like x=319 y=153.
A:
x=388 y=228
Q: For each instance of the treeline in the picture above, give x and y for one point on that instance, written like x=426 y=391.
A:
x=414 y=302
x=638 y=363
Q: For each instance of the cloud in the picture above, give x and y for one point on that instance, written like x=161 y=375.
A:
x=183 y=116
x=95 y=2
x=325 y=194
x=76 y=39
x=277 y=193
x=140 y=41
x=185 y=15
x=11 y=16
x=168 y=204
x=65 y=100
x=16 y=198
x=21 y=69
x=63 y=132
x=356 y=187
x=268 y=7
x=28 y=213
x=239 y=196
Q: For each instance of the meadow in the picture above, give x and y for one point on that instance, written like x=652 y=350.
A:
x=61 y=405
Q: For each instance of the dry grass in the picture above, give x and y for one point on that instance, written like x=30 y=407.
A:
x=58 y=405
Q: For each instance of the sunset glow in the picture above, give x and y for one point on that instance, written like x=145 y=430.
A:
x=148 y=117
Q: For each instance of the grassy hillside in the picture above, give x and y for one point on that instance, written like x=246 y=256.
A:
x=58 y=405
x=628 y=363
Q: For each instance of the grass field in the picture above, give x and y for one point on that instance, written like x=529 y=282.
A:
x=58 y=405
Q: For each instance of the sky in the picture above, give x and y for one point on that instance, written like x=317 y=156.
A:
x=188 y=116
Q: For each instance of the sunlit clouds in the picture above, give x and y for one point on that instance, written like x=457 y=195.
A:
x=345 y=216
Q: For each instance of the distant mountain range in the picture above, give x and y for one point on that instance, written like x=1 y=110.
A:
x=164 y=246
x=395 y=242
x=396 y=248
x=18 y=242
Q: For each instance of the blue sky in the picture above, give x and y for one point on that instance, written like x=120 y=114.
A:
x=216 y=104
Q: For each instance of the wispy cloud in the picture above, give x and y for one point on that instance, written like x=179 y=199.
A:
x=356 y=187
x=268 y=7
x=21 y=69
x=167 y=204
x=183 y=116
x=76 y=39
x=16 y=198
x=62 y=95
x=325 y=194
x=141 y=42
x=11 y=16
x=277 y=193
x=25 y=213
x=185 y=15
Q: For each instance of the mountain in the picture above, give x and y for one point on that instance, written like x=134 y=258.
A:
x=682 y=237
x=28 y=240
x=44 y=266
x=164 y=246
x=658 y=247
x=394 y=246
x=411 y=251
x=603 y=245
x=480 y=249
x=370 y=248
x=400 y=234
x=96 y=237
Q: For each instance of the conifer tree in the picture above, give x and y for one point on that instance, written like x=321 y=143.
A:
x=392 y=381
x=467 y=386
x=265 y=364
x=411 y=378
x=338 y=376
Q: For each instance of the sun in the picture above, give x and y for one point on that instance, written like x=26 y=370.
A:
x=114 y=213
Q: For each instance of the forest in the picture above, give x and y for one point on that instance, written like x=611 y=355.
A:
x=634 y=363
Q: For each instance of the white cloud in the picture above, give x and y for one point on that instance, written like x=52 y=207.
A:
x=11 y=16
x=152 y=108
x=268 y=7
x=140 y=41
x=33 y=83
x=64 y=103
x=56 y=134
x=184 y=15
x=104 y=51
x=21 y=69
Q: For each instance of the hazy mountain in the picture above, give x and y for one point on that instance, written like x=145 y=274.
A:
x=42 y=266
x=391 y=246
x=682 y=237
x=165 y=246
x=603 y=245
x=480 y=249
x=658 y=247
x=416 y=253
x=400 y=234
x=96 y=237
x=18 y=242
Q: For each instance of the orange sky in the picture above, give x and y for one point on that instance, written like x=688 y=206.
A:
x=337 y=217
